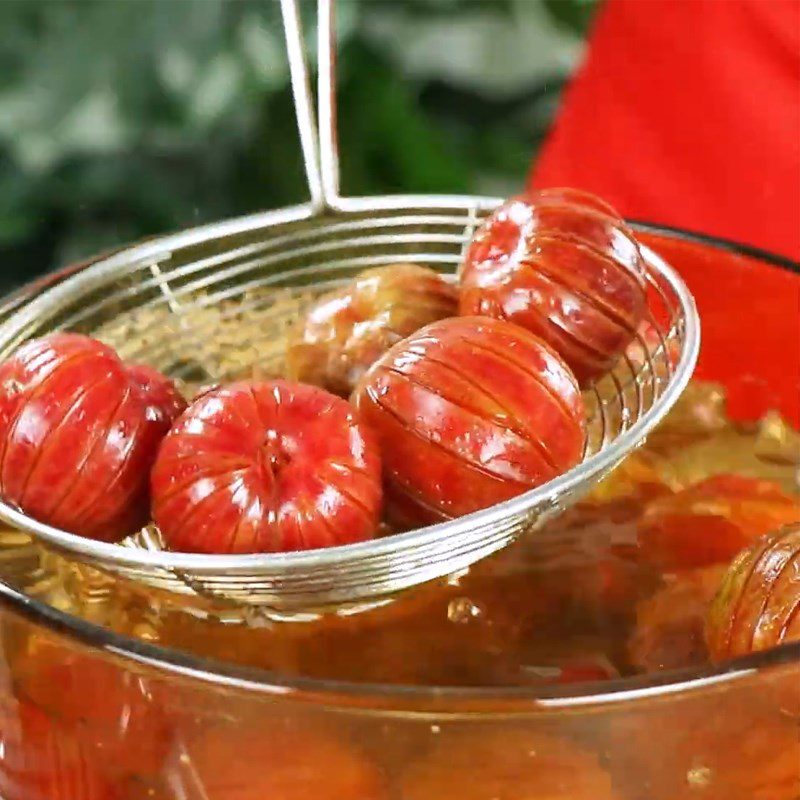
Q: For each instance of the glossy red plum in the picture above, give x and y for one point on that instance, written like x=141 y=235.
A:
x=469 y=412
x=266 y=467
x=79 y=431
x=564 y=265
x=758 y=605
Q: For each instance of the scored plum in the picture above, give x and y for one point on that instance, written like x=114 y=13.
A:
x=758 y=604
x=469 y=412
x=347 y=330
x=564 y=265
x=266 y=467
x=79 y=431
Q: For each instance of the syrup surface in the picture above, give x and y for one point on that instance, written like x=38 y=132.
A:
x=577 y=601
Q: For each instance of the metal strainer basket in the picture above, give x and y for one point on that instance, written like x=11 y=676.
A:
x=213 y=304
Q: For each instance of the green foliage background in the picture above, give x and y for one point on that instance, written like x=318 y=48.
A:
x=124 y=118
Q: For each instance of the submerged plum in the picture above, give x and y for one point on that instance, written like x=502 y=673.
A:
x=758 y=604
x=505 y=764
x=41 y=760
x=275 y=761
x=711 y=521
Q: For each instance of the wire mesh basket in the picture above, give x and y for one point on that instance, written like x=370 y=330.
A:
x=213 y=304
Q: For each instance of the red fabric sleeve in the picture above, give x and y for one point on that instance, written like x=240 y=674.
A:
x=687 y=113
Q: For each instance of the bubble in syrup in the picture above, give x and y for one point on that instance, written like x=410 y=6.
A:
x=462 y=610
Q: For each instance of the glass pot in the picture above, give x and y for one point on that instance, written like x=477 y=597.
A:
x=130 y=719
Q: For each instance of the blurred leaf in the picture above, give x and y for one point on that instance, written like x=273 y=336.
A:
x=477 y=47
x=393 y=148
x=575 y=15
x=127 y=118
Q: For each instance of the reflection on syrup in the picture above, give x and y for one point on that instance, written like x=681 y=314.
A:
x=584 y=599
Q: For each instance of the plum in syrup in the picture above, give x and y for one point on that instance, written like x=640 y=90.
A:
x=270 y=760
x=507 y=764
x=668 y=633
x=729 y=745
x=109 y=712
x=710 y=521
x=758 y=604
x=41 y=760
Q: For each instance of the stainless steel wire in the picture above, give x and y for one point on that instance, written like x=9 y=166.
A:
x=213 y=304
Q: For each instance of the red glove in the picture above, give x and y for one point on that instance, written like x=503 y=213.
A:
x=687 y=113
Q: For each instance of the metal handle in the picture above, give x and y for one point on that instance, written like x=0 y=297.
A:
x=319 y=146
